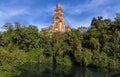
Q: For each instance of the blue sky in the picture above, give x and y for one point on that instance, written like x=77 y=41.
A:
x=40 y=12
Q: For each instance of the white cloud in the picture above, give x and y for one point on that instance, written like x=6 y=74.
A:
x=91 y=6
x=77 y=23
x=9 y=12
x=40 y=25
x=105 y=8
x=94 y=7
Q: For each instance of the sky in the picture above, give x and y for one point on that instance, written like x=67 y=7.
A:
x=40 y=12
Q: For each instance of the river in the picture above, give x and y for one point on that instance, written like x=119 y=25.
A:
x=46 y=70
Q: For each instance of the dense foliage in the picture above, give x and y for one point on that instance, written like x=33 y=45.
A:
x=97 y=46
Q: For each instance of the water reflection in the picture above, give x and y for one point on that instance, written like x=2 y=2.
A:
x=42 y=70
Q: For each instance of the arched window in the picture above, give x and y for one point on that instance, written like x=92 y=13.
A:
x=56 y=18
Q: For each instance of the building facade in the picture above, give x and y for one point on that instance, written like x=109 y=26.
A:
x=58 y=23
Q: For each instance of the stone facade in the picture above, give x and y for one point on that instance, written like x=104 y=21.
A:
x=58 y=23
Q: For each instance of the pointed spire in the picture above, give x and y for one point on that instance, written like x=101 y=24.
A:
x=58 y=8
x=58 y=5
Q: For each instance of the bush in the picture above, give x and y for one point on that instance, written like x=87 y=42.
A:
x=9 y=60
x=64 y=60
x=100 y=59
x=84 y=57
x=37 y=56
x=112 y=62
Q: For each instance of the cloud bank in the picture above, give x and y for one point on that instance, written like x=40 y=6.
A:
x=40 y=12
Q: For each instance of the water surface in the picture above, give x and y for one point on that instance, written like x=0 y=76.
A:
x=43 y=70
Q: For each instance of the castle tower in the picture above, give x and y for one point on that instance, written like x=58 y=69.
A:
x=58 y=24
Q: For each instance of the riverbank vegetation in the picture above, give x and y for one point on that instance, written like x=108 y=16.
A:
x=96 y=46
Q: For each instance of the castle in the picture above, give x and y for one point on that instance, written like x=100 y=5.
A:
x=58 y=23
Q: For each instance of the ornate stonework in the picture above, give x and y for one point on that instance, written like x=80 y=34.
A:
x=58 y=23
